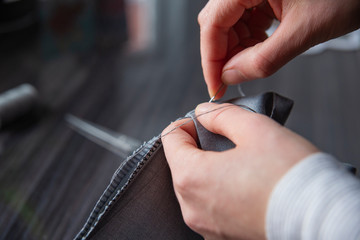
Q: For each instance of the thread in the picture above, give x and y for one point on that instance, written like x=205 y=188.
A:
x=212 y=99
x=190 y=120
x=241 y=92
x=202 y=114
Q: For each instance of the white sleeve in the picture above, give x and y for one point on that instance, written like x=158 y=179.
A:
x=316 y=199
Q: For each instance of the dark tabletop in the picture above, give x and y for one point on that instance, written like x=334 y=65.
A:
x=132 y=69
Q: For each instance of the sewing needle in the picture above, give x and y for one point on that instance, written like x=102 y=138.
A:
x=212 y=99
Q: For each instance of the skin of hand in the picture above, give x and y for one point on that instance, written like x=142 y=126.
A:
x=234 y=44
x=224 y=195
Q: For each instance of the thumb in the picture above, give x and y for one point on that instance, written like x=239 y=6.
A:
x=232 y=121
x=265 y=58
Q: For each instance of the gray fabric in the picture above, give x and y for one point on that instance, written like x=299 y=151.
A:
x=271 y=104
x=208 y=140
x=140 y=202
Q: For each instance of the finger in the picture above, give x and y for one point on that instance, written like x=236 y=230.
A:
x=180 y=143
x=260 y=20
x=232 y=121
x=233 y=40
x=215 y=20
x=259 y=34
x=265 y=58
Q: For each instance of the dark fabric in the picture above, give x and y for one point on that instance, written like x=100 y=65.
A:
x=148 y=210
x=140 y=202
x=270 y=104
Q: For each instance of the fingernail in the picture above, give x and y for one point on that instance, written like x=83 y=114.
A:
x=211 y=92
x=232 y=76
x=203 y=107
x=218 y=93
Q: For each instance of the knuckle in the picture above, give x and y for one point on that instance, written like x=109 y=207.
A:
x=183 y=182
x=195 y=219
x=263 y=66
x=191 y=220
x=202 y=17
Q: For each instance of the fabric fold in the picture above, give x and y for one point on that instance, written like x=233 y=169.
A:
x=140 y=203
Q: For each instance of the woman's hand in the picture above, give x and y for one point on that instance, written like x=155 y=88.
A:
x=234 y=44
x=225 y=194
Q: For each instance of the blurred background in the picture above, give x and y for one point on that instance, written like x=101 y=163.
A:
x=132 y=66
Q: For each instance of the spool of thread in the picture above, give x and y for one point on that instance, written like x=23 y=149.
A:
x=17 y=103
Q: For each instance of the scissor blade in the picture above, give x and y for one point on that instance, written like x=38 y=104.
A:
x=117 y=143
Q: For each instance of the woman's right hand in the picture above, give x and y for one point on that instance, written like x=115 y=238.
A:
x=235 y=47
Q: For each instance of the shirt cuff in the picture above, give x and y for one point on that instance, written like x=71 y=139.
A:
x=316 y=199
